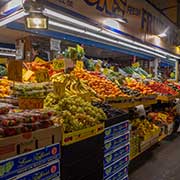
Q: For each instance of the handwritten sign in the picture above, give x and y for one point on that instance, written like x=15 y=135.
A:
x=58 y=64
x=15 y=70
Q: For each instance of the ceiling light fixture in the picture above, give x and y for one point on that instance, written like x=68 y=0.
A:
x=12 y=18
x=36 y=20
x=162 y=35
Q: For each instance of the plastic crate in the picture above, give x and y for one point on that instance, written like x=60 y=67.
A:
x=82 y=167
x=116 y=154
x=119 y=175
x=116 y=142
x=116 y=130
x=116 y=166
x=116 y=120
x=93 y=145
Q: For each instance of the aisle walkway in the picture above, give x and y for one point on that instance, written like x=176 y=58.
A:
x=162 y=164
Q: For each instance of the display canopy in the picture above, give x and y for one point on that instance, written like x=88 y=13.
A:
x=144 y=21
x=90 y=20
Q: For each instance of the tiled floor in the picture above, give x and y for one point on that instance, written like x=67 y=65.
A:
x=163 y=163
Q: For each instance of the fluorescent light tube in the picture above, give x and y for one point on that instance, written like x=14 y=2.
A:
x=65 y=26
x=7 y=54
x=12 y=18
x=69 y=19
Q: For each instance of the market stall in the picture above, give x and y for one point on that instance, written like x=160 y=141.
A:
x=68 y=116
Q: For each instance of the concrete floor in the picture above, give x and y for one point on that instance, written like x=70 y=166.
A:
x=162 y=163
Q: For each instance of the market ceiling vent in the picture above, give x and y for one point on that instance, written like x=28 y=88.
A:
x=35 y=18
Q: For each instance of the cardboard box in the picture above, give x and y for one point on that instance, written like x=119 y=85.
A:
x=15 y=145
x=22 y=163
x=116 y=166
x=122 y=173
x=50 y=171
x=116 y=154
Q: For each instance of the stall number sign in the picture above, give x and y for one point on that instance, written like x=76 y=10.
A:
x=58 y=64
x=42 y=76
x=15 y=70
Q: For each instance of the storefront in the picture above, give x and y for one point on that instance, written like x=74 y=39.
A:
x=66 y=107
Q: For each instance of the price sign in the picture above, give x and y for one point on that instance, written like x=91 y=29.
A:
x=136 y=65
x=79 y=64
x=15 y=70
x=58 y=64
x=42 y=76
x=3 y=60
x=162 y=116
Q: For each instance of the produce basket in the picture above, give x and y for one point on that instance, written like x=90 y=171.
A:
x=30 y=103
x=73 y=137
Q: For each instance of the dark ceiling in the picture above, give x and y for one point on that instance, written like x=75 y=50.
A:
x=167 y=7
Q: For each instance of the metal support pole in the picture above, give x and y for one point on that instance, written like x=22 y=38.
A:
x=156 y=64
x=177 y=71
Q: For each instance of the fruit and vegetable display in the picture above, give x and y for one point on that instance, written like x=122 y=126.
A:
x=136 y=71
x=138 y=86
x=14 y=123
x=4 y=88
x=108 y=109
x=173 y=85
x=3 y=71
x=74 y=112
x=144 y=128
x=130 y=92
x=100 y=84
x=161 y=88
x=161 y=118
x=31 y=90
x=68 y=84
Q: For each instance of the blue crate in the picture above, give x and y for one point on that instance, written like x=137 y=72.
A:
x=116 y=154
x=50 y=171
x=22 y=163
x=120 y=175
x=114 y=143
x=116 y=130
x=116 y=166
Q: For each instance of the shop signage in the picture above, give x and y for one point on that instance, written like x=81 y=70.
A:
x=144 y=21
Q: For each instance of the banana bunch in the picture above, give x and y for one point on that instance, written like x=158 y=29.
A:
x=70 y=85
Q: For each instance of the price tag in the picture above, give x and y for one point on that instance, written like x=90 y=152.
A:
x=3 y=60
x=162 y=116
x=79 y=64
x=15 y=70
x=42 y=76
x=58 y=64
x=136 y=65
